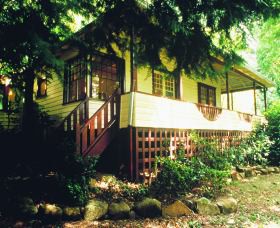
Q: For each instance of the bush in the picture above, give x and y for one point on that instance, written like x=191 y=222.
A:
x=74 y=173
x=209 y=169
x=254 y=150
x=273 y=132
x=174 y=178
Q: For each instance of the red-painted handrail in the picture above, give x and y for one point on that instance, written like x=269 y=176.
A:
x=89 y=133
x=78 y=116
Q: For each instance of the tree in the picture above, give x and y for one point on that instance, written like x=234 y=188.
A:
x=191 y=32
x=268 y=53
x=30 y=33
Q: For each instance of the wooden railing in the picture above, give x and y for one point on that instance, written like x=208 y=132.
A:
x=89 y=134
x=209 y=112
x=78 y=116
x=245 y=116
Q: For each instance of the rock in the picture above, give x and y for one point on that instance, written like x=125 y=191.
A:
x=176 y=209
x=50 y=210
x=190 y=204
x=132 y=215
x=197 y=191
x=250 y=172
x=72 y=212
x=26 y=207
x=119 y=210
x=270 y=170
x=227 y=205
x=236 y=176
x=148 y=207
x=276 y=170
x=95 y=209
x=263 y=171
x=205 y=207
x=240 y=169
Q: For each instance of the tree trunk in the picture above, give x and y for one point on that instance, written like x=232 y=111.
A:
x=28 y=106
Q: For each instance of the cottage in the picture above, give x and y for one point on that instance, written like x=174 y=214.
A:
x=128 y=112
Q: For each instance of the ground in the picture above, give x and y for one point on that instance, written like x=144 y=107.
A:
x=258 y=206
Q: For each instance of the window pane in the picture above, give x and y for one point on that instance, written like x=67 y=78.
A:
x=212 y=97
x=203 y=95
x=104 y=77
x=157 y=84
x=169 y=87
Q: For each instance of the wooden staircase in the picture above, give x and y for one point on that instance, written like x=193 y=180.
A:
x=94 y=134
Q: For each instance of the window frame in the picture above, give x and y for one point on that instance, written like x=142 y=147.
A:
x=208 y=88
x=39 y=92
x=160 y=82
x=88 y=64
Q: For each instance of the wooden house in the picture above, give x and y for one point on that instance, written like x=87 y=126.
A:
x=129 y=112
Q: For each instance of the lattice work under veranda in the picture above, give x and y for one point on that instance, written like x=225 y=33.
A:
x=155 y=142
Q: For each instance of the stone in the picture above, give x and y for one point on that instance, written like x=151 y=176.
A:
x=95 y=209
x=240 y=169
x=263 y=171
x=26 y=207
x=190 y=204
x=205 y=207
x=236 y=176
x=72 y=212
x=176 y=209
x=50 y=210
x=197 y=191
x=276 y=170
x=119 y=210
x=148 y=207
x=132 y=215
x=250 y=172
x=227 y=205
x=270 y=169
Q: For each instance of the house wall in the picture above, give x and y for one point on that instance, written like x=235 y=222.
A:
x=9 y=121
x=53 y=102
x=189 y=86
x=158 y=112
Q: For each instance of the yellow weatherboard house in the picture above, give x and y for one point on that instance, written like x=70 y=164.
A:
x=127 y=113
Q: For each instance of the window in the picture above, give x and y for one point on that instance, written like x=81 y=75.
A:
x=75 y=80
x=104 y=75
x=42 y=87
x=206 y=94
x=163 y=86
x=169 y=87
x=94 y=75
x=157 y=84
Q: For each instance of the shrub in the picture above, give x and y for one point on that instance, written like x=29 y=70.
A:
x=209 y=169
x=253 y=150
x=174 y=178
x=273 y=131
x=74 y=173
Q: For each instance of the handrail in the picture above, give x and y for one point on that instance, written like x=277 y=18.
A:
x=91 y=131
x=79 y=115
x=209 y=112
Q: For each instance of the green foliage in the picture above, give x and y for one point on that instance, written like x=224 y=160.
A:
x=273 y=131
x=190 y=32
x=268 y=53
x=74 y=174
x=209 y=170
x=115 y=190
x=174 y=178
x=253 y=150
